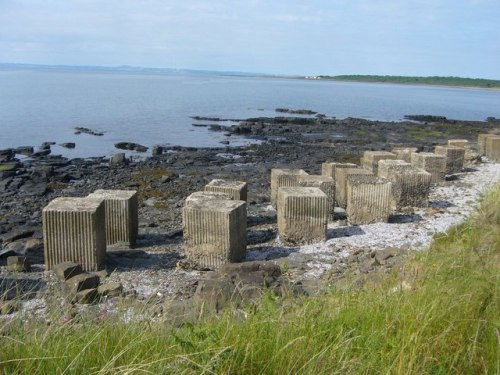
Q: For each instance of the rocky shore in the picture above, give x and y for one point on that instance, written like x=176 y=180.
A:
x=157 y=270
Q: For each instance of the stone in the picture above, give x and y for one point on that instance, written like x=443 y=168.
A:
x=328 y=169
x=385 y=165
x=69 y=145
x=67 y=270
x=206 y=195
x=82 y=281
x=410 y=186
x=237 y=190
x=215 y=231
x=24 y=150
x=74 y=230
x=404 y=153
x=122 y=220
x=111 y=289
x=9 y=307
x=341 y=183
x=454 y=158
x=268 y=268
x=157 y=150
x=368 y=199
x=432 y=163
x=492 y=148
x=283 y=178
x=462 y=143
x=216 y=294
x=118 y=159
x=18 y=264
x=371 y=158
x=86 y=296
x=324 y=183
x=302 y=215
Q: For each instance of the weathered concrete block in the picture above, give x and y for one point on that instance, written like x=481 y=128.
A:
x=328 y=169
x=454 y=158
x=410 y=186
x=481 y=142
x=462 y=143
x=74 y=230
x=215 y=231
x=371 y=158
x=368 y=199
x=324 y=183
x=302 y=214
x=122 y=220
x=341 y=183
x=385 y=165
x=236 y=189
x=404 y=153
x=198 y=196
x=492 y=149
x=283 y=178
x=432 y=163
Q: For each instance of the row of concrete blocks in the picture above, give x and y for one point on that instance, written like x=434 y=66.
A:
x=79 y=229
x=489 y=146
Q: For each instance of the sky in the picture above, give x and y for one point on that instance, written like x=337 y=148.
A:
x=290 y=37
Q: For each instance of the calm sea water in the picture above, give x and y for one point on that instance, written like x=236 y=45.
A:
x=155 y=109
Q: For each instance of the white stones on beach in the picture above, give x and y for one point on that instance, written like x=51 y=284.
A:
x=215 y=231
x=370 y=159
x=368 y=199
x=283 y=178
x=122 y=221
x=74 y=230
x=302 y=214
x=236 y=189
x=341 y=183
x=492 y=148
x=404 y=153
x=432 y=163
x=454 y=158
x=410 y=186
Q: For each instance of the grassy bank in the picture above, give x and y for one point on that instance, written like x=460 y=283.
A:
x=436 y=315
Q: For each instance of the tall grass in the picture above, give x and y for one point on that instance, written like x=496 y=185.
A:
x=438 y=314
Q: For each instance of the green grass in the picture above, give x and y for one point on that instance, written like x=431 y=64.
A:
x=438 y=314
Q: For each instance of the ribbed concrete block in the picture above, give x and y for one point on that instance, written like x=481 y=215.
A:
x=206 y=195
x=371 y=158
x=328 y=168
x=385 y=165
x=481 y=142
x=368 y=199
x=432 y=163
x=215 y=231
x=236 y=189
x=122 y=219
x=283 y=178
x=404 y=153
x=302 y=214
x=454 y=158
x=324 y=183
x=462 y=143
x=493 y=148
x=410 y=187
x=74 y=231
x=341 y=183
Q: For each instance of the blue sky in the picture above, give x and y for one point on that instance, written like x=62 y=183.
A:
x=309 y=37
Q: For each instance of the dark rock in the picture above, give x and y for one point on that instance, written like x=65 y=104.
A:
x=6 y=174
x=131 y=146
x=382 y=255
x=7 y=252
x=42 y=172
x=67 y=270
x=82 y=281
x=69 y=145
x=269 y=268
x=46 y=145
x=216 y=294
x=32 y=188
x=6 y=155
x=41 y=153
x=118 y=159
x=24 y=150
x=86 y=296
x=157 y=150
x=18 y=264
x=80 y=130
x=111 y=289
x=17 y=234
x=9 y=307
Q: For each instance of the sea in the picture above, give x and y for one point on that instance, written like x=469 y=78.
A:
x=151 y=108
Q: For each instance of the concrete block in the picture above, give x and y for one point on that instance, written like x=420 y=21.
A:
x=283 y=178
x=236 y=189
x=328 y=169
x=122 y=219
x=302 y=214
x=385 y=165
x=206 y=195
x=454 y=158
x=368 y=199
x=324 y=183
x=371 y=158
x=341 y=183
x=404 y=153
x=410 y=186
x=481 y=142
x=74 y=231
x=432 y=163
x=462 y=143
x=215 y=231
x=492 y=148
